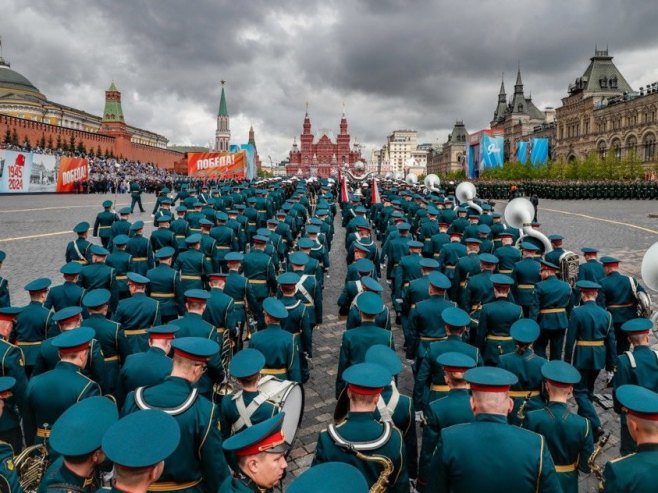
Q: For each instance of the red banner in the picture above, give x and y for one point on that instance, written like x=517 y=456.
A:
x=219 y=165
x=71 y=170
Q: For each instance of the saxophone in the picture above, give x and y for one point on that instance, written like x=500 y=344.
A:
x=591 y=462
x=226 y=355
x=381 y=485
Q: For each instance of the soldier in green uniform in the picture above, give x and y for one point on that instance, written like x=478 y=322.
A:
x=33 y=323
x=568 y=436
x=165 y=286
x=121 y=262
x=192 y=264
x=69 y=293
x=136 y=197
x=355 y=342
x=551 y=309
x=98 y=275
x=328 y=478
x=225 y=241
x=395 y=407
x=637 y=367
x=507 y=254
x=590 y=347
x=382 y=320
x=12 y=365
x=527 y=273
x=619 y=293
x=9 y=480
x=260 y=453
x=150 y=367
x=68 y=319
x=636 y=473
x=238 y=288
x=163 y=236
x=467 y=266
x=164 y=210
x=220 y=309
x=423 y=329
x=121 y=226
x=308 y=289
x=449 y=255
x=78 y=249
x=136 y=314
x=248 y=406
x=103 y=223
x=192 y=324
x=198 y=463
x=526 y=365
x=180 y=227
x=5 y=298
x=463 y=462
x=591 y=269
x=430 y=383
x=277 y=345
x=495 y=320
x=140 y=249
x=298 y=321
x=112 y=339
x=76 y=439
x=362 y=432
x=53 y=392
x=453 y=409
x=258 y=268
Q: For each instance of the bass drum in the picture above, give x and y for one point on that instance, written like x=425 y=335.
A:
x=289 y=398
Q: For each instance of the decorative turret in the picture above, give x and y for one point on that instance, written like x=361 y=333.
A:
x=343 y=122
x=307 y=122
x=518 y=104
x=223 y=132
x=113 y=111
x=501 y=107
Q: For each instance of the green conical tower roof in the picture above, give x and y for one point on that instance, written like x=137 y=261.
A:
x=223 y=111
x=113 y=111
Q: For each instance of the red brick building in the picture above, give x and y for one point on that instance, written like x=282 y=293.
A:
x=322 y=156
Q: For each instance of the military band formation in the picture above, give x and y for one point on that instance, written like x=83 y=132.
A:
x=176 y=362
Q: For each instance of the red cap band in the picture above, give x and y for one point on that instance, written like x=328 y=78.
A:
x=650 y=417
x=7 y=316
x=74 y=349
x=475 y=387
x=64 y=320
x=263 y=446
x=454 y=369
x=195 y=300
x=192 y=357
x=364 y=390
x=559 y=384
x=155 y=335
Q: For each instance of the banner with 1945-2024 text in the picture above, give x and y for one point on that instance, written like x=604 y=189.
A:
x=27 y=172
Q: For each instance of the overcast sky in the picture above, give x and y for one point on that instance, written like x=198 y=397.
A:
x=393 y=63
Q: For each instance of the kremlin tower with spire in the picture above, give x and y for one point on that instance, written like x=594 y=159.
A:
x=323 y=155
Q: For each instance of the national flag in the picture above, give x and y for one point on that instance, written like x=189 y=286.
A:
x=374 y=192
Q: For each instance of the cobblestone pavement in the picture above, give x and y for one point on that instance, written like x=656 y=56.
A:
x=36 y=229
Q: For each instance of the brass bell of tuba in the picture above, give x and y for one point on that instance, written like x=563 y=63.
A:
x=649 y=270
x=518 y=214
x=432 y=182
x=466 y=193
x=411 y=179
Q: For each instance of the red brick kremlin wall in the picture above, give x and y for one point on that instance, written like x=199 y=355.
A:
x=119 y=146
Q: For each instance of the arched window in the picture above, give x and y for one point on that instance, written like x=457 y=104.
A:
x=616 y=147
x=649 y=144
x=601 y=148
x=631 y=145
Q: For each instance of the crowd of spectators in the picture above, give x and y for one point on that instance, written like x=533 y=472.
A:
x=108 y=174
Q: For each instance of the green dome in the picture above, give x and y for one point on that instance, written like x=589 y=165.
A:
x=10 y=79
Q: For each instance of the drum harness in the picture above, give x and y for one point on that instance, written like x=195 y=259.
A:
x=246 y=412
x=386 y=409
x=301 y=289
x=172 y=411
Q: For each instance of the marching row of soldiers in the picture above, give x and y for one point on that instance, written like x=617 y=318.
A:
x=484 y=308
x=150 y=322
x=571 y=190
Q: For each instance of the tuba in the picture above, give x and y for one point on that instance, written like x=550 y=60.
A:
x=31 y=466
x=465 y=194
x=649 y=272
x=569 y=265
x=432 y=182
x=518 y=214
x=411 y=179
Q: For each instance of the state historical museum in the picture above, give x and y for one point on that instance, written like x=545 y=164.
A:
x=321 y=157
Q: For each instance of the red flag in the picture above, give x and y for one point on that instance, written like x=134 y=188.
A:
x=344 y=198
x=374 y=193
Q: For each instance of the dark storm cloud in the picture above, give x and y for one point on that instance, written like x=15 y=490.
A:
x=396 y=64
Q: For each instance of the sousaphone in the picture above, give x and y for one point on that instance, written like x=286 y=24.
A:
x=649 y=272
x=466 y=193
x=432 y=182
x=518 y=214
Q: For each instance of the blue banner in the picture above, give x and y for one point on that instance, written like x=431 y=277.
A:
x=491 y=152
x=250 y=173
x=522 y=151
x=470 y=162
x=539 y=152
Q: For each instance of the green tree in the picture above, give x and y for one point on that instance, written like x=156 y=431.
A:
x=81 y=148
x=14 y=136
x=50 y=141
x=59 y=142
x=42 y=141
x=72 y=142
x=7 y=139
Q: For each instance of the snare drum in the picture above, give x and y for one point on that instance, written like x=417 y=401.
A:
x=288 y=397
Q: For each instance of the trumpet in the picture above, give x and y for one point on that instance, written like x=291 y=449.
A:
x=591 y=462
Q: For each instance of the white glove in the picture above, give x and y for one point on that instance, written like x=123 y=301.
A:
x=420 y=417
x=609 y=375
